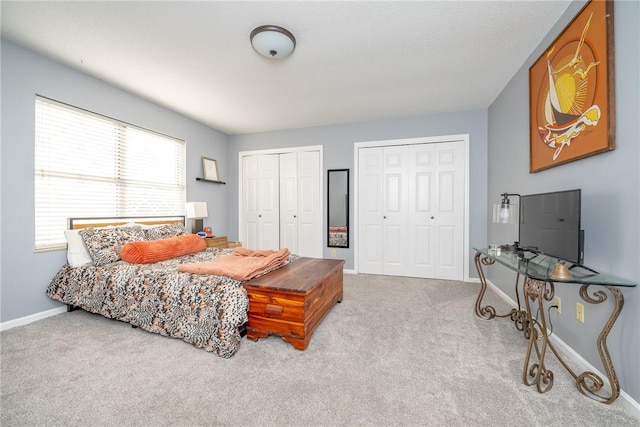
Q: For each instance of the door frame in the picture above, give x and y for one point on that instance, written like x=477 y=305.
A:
x=413 y=141
x=283 y=150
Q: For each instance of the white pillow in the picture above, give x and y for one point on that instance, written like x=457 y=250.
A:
x=77 y=254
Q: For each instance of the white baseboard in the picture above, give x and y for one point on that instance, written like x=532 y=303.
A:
x=32 y=318
x=626 y=400
x=349 y=271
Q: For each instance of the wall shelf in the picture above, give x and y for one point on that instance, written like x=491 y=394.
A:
x=210 y=180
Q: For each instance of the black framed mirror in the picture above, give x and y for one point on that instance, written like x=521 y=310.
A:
x=338 y=208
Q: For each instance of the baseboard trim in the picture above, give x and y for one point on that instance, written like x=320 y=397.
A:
x=31 y=318
x=626 y=400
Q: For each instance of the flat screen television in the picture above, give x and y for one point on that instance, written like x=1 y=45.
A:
x=550 y=225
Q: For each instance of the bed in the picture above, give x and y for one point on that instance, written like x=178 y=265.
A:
x=206 y=310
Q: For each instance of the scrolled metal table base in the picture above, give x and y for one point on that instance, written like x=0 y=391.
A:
x=589 y=383
x=537 y=373
x=518 y=316
x=535 y=331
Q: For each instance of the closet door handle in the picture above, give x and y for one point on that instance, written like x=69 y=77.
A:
x=433 y=217
x=295 y=216
x=260 y=216
x=384 y=217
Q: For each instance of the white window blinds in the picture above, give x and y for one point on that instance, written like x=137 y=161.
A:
x=87 y=165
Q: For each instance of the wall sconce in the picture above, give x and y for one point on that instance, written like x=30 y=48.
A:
x=272 y=41
x=197 y=211
x=505 y=213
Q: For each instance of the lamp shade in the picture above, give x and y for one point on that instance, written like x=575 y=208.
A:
x=197 y=210
x=505 y=212
x=502 y=214
x=272 y=41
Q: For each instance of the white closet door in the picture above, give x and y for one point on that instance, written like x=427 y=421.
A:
x=309 y=213
x=281 y=202
x=422 y=210
x=370 y=211
x=449 y=233
x=260 y=178
x=289 y=202
x=395 y=206
x=250 y=202
x=411 y=210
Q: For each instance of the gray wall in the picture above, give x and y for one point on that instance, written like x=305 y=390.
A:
x=25 y=274
x=338 y=142
x=610 y=184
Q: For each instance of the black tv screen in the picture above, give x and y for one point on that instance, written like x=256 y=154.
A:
x=550 y=224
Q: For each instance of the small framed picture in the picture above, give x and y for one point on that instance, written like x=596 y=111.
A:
x=210 y=169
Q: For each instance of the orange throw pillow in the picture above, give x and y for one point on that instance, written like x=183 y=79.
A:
x=148 y=251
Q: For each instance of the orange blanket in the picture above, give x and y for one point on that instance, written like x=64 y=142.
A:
x=243 y=264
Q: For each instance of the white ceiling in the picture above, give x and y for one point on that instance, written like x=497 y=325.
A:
x=354 y=61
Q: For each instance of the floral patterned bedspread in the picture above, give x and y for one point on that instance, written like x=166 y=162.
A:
x=204 y=310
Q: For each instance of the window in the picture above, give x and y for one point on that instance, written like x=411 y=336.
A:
x=88 y=165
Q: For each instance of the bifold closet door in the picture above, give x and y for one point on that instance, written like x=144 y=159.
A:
x=436 y=210
x=300 y=214
x=261 y=202
x=411 y=210
x=370 y=210
x=448 y=241
x=281 y=206
x=383 y=215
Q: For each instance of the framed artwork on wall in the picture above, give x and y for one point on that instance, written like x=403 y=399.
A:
x=572 y=91
x=210 y=169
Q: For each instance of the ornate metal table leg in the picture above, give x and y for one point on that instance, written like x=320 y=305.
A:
x=488 y=312
x=536 y=290
x=589 y=383
x=519 y=316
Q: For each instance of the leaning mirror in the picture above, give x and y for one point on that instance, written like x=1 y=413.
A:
x=338 y=208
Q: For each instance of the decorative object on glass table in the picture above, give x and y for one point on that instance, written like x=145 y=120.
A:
x=560 y=271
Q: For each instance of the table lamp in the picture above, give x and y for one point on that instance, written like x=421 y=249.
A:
x=197 y=211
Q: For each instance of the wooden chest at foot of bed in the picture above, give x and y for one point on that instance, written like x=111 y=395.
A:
x=290 y=302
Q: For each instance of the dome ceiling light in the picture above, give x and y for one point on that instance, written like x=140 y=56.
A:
x=272 y=41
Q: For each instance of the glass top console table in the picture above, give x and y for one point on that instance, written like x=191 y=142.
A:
x=538 y=286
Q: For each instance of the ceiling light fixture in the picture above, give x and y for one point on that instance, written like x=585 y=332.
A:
x=272 y=41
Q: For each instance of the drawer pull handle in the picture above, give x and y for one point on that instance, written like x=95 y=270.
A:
x=273 y=309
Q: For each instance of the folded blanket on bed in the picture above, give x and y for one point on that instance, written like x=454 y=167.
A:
x=243 y=264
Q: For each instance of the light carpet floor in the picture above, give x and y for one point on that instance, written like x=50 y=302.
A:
x=397 y=351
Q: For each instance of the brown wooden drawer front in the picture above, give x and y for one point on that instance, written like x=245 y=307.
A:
x=276 y=305
x=219 y=242
x=266 y=326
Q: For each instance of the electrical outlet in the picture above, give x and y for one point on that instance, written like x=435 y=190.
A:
x=579 y=312
x=333 y=253
x=558 y=303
